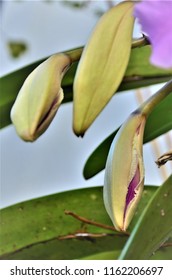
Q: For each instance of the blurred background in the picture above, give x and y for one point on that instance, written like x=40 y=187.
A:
x=31 y=30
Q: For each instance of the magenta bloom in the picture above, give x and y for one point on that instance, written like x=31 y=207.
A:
x=155 y=18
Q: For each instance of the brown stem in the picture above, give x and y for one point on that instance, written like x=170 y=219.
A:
x=90 y=222
x=83 y=235
x=166 y=245
x=164 y=158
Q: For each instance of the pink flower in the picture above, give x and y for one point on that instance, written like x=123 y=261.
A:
x=155 y=18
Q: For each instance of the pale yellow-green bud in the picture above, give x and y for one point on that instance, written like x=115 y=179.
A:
x=40 y=97
x=124 y=172
x=102 y=65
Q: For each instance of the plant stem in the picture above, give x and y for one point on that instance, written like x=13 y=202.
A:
x=84 y=220
x=75 y=54
x=147 y=107
x=140 y=42
x=166 y=245
x=164 y=158
x=87 y=235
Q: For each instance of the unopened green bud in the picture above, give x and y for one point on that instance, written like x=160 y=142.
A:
x=102 y=65
x=40 y=97
x=124 y=172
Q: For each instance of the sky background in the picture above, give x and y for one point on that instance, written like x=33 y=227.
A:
x=54 y=162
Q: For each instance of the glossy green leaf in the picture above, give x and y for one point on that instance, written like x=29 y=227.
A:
x=30 y=230
x=153 y=227
x=164 y=252
x=137 y=76
x=110 y=255
x=155 y=126
x=139 y=64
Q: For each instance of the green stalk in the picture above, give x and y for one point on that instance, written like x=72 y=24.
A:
x=147 y=107
x=75 y=54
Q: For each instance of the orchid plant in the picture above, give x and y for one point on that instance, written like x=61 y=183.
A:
x=107 y=64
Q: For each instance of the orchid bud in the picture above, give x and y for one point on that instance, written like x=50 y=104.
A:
x=124 y=172
x=102 y=65
x=40 y=97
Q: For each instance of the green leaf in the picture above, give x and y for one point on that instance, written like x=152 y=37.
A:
x=30 y=230
x=164 y=252
x=153 y=227
x=139 y=64
x=64 y=249
x=110 y=255
x=155 y=126
x=137 y=76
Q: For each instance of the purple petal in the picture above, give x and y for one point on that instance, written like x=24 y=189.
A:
x=155 y=18
x=132 y=189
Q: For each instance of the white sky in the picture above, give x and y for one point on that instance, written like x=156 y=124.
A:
x=55 y=161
